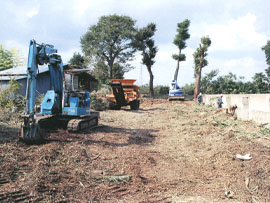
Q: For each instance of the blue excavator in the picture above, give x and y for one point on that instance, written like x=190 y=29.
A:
x=175 y=92
x=62 y=107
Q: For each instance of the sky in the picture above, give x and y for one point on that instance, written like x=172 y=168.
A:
x=238 y=30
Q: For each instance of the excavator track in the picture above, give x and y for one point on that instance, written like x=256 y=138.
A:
x=44 y=125
x=83 y=123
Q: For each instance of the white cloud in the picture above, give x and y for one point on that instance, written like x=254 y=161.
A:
x=86 y=12
x=243 y=66
x=80 y=7
x=32 y=13
x=67 y=54
x=236 y=34
x=20 y=13
x=9 y=44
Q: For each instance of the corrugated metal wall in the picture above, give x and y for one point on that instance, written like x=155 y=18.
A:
x=43 y=84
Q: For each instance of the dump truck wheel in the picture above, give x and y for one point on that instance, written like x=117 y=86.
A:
x=113 y=106
x=117 y=107
x=135 y=105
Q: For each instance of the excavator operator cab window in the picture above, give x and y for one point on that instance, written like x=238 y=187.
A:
x=71 y=82
x=68 y=81
x=75 y=82
x=174 y=85
x=72 y=91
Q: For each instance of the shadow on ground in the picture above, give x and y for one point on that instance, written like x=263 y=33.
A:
x=7 y=133
x=141 y=110
x=107 y=135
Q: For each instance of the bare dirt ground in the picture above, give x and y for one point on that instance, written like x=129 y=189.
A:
x=164 y=152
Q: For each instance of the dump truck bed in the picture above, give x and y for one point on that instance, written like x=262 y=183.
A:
x=124 y=93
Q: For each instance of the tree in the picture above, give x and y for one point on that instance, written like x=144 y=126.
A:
x=180 y=41
x=101 y=72
x=6 y=60
x=188 y=89
x=144 y=42
x=77 y=59
x=266 y=50
x=200 y=62
x=110 y=40
x=246 y=88
x=228 y=84
x=10 y=58
x=207 y=80
x=260 y=82
x=17 y=58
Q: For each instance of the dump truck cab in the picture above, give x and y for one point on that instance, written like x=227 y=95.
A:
x=124 y=93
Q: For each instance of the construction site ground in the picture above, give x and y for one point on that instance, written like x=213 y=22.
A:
x=164 y=152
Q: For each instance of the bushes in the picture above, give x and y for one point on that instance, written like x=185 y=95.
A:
x=98 y=101
x=144 y=89
x=188 y=89
x=159 y=91
x=10 y=98
x=11 y=103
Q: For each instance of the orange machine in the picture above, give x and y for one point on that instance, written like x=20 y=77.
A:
x=124 y=93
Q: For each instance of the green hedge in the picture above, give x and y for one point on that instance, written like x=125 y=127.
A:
x=159 y=90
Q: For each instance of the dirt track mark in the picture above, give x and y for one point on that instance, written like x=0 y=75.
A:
x=17 y=196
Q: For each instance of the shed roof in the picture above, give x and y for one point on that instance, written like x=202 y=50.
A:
x=17 y=73
x=20 y=72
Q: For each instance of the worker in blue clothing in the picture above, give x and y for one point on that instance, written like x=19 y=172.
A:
x=220 y=102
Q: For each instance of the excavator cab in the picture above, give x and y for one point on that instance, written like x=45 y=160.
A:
x=175 y=92
x=76 y=102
